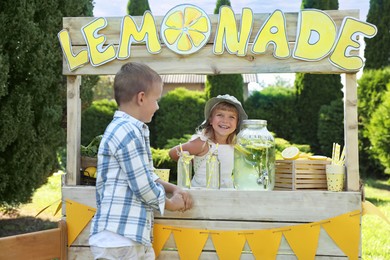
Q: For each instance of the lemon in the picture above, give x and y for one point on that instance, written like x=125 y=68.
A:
x=185 y=29
x=241 y=149
x=290 y=153
x=90 y=172
x=318 y=157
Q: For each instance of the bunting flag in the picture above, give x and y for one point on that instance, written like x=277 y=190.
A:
x=228 y=244
x=77 y=217
x=189 y=242
x=345 y=232
x=369 y=208
x=161 y=234
x=303 y=239
x=264 y=243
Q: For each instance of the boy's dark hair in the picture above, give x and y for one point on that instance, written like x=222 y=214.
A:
x=133 y=78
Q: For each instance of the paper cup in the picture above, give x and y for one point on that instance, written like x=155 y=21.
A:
x=335 y=177
x=163 y=174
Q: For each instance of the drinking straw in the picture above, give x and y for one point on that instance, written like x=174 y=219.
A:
x=342 y=157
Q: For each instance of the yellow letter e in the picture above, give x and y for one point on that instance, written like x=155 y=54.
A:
x=97 y=53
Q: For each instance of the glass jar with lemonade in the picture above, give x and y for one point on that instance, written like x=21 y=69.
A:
x=254 y=157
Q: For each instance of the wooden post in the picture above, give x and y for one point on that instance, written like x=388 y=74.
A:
x=73 y=130
x=351 y=132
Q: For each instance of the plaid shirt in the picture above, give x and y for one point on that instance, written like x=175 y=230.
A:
x=126 y=191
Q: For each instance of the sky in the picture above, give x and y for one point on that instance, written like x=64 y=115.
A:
x=104 y=8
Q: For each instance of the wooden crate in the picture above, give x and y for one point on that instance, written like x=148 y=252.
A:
x=300 y=175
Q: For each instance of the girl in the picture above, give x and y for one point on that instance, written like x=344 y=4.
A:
x=223 y=116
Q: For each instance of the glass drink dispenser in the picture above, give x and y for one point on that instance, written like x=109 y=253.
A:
x=254 y=157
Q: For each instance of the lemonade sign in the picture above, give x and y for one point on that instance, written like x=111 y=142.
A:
x=185 y=29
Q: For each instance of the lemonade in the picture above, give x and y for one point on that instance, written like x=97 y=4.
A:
x=254 y=158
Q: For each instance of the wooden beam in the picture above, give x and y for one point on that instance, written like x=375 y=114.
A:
x=72 y=176
x=351 y=132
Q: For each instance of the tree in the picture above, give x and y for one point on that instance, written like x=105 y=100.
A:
x=137 y=7
x=372 y=86
x=377 y=52
x=379 y=132
x=31 y=93
x=232 y=84
x=313 y=91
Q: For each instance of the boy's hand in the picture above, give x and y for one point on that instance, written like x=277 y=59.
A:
x=186 y=197
x=175 y=203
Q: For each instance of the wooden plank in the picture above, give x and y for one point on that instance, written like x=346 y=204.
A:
x=72 y=176
x=206 y=62
x=279 y=206
x=76 y=253
x=47 y=244
x=351 y=132
x=112 y=31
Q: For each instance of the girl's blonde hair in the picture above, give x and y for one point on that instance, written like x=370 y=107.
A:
x=207 y=129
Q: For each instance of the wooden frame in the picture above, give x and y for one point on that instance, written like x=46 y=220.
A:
x=47 y=244
x=221 y=209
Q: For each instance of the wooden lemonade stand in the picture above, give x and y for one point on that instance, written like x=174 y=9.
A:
x=217 y=211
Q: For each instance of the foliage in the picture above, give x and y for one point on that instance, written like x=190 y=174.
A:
x=379 y=132
x=231 y=84
x=181 y=112
x=32 y=92
x=371 y=87
x=377 y=52
x=320 y=4
x=96 y=118
x=221 y=3
x=331 y=126
x=176 y=141
x=276 y=105
x=313 y=91
x=104 y=88
x=162 y=160
x=137 y=7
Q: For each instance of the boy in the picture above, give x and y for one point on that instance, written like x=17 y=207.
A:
x=127 y=190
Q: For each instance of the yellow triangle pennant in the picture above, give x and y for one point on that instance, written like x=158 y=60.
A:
x=161 y=234
x=369 y=208
x=77 y=217
x=345 y=232
x=228 y=244
x=303 y=239
x=189 y=242
x=264 y=243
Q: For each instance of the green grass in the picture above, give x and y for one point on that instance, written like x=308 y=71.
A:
x=49 y=195
x=375 y=230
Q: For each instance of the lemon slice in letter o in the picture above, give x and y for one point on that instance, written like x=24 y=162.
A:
x=185 y=29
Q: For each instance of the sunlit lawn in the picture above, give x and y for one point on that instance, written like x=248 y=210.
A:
x=375 y=231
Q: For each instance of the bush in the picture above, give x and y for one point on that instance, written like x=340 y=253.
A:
x=331 y=126
x=96 y=118
x=379 y=132
x=371 y=89
x=181 y=112
x=276 y=105
x=162 y=160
